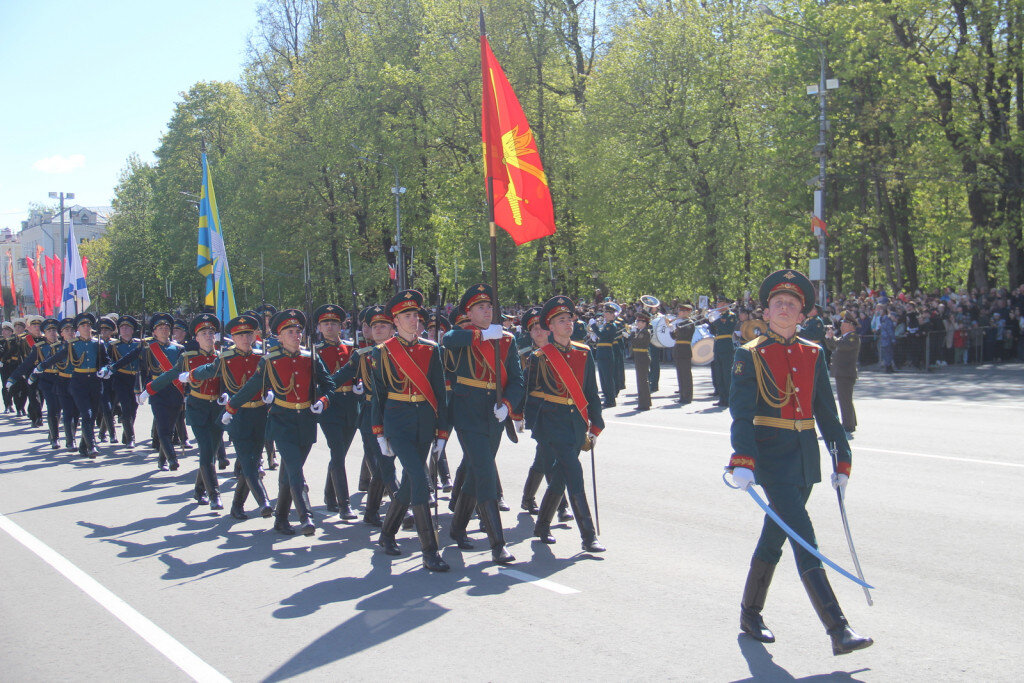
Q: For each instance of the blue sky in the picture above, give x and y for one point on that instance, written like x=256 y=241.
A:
x=86 y=84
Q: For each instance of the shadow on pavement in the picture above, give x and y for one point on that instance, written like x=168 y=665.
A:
x=763 y=667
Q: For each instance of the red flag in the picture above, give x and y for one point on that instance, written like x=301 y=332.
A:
x=33 y=277
x=85 y=267
x=520 y=194
x=10 y=275
x=818 y=223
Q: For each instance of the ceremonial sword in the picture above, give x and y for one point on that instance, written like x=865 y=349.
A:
x=846 y=524
x=794 y=536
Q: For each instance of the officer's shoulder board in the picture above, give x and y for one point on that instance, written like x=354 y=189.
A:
x=365 y=350
x=228 y=352
x=579 y=345
x=808 y=342
x=304 y=353
x=753 y=343
x=148 y=340
x=431 y=342
x=273 y=353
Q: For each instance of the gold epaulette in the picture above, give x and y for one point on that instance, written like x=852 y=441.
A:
x=808 y=342
x=580 y=345
x=752 y=344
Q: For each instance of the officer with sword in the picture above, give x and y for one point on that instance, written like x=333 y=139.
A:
x=780 y=388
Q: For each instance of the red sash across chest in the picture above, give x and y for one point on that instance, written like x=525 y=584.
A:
x=414 y=363
x=482 y=358
x=570 y=367
x=209 y=387
x=294 y=375
x=797 y=361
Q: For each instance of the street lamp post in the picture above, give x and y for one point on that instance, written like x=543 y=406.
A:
x=397 y=190
x=821 y=149
x=62 y=196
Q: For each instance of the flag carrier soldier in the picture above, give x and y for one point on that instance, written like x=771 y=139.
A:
x=780 y=387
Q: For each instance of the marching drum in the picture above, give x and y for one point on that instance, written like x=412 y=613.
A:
x=703 y=346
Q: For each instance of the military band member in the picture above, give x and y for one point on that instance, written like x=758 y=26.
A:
x=477 y=417
x=563 y=412
x=780 y=388
x=202 y=410
x=640 y=343
x=619 y=353
x=158 y=354
x=340 y=419
x=105 y=417
x=125 y=382
x=301 y=390
x=723 y=328
x=845 y=351
x=234 y=366
x=409 y=418
x=47 y=381
x=682 y=353
x=604 y=334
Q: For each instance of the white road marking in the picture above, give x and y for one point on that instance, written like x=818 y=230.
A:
x=166 y=645
x=855 y=446
x=537 y=581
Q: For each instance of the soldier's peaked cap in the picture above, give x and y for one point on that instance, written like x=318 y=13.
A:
x=476 y=294
x=556 y=306
x=790 y=281
x=329 y=312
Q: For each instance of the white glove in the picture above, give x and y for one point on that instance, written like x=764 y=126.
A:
x=839 y=481
x=37 y=370
x=183 y=378
x=104 y=372
x=10 y=383
x=385 y=446
x=742 y=477
x=358 y=388
x=142 y=398
x=317 y=408
x=520 y=425
x=225 y=419
x=439 y=445
x=269 y=397
x=500 y=412
x=223 y=400
x=593 y=437
x=593 y=336
x=492 y=332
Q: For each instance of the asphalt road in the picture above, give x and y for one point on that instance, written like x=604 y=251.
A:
x=935 y=504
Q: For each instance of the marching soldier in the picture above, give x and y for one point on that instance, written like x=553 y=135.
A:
x=619 y=353
x=640 y=342
x=845 y=351
x=28 y=337
x=68 y=409
x=301 y=390
x=440 y=474
x=477 y=417
x=87 y=356
x=124 y=382
x=409 y=418
x=724 y=328
x=780 y=387
x=105 y=418
x=8 y=364
x=265 y=312
x=682 y=353
x=47 y=380
x=340 y=419
x=234 y=366
x=201 y=402
x=157 y=355
x=563 y=411
x=604 y=335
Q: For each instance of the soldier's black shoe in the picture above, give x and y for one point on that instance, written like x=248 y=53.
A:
x=102 y=438
x=408 y=522
x=533 y=479
x=266 y=511
x=162 y=467
x=759 y=578
x=530 y=505
x=844 y=639
x=502 y=505
x=238 y=499
x=173 y=462
x=223 y=463
x=282 y=526
x=490 y=517
x=371 y=511
x=345 y=512
x=54 y=444
x=389 y=544
x=239 y=513
x=593 y=545
x=460 y=520
x=332 y=507
x=392 y=520
x=542 y=529
x=564 y=513
x=203 y=499
x=585 y=522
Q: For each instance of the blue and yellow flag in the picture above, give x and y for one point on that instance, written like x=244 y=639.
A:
x=212 y=260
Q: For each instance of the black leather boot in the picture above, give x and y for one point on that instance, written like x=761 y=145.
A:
x=238 y=500
x=330 y=500
x=305 y=511
x=491 y=518
x=754 y=593
x=69 y=438
x=340 y=489
x=393 y=520
x=222 y=456
x=259 y=494
x=365 y=474
x=271 y=455
x=444 y=472
x=284 y=505
x=502 y=505
x=585 y=522
x=564 y=513
x=428 y=539
x=212 y=486
x=844 y=640
x=460 y=477
x=199 y=491
x=533 y=479
x=371 y=510
x=460 y=520
x=53 y=425
x=542 y=528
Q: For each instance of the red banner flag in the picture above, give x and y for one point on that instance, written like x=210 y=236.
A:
x=818 y=223
x=33 y=276
x=10 y=275
x=520 y=194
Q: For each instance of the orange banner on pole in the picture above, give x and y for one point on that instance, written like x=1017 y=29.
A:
x=521 y=198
